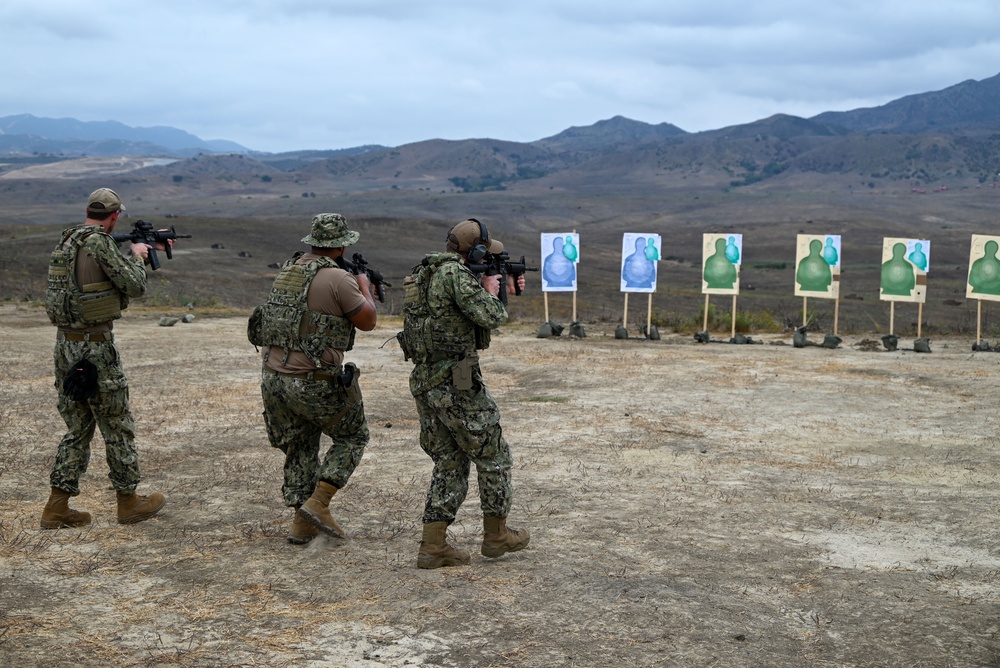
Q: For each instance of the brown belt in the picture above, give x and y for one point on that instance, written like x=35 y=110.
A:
x=86 y=336
x=309 y=375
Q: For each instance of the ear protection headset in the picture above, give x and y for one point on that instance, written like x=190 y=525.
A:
x=480 y=248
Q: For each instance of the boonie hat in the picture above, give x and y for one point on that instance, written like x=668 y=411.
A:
x=104 y=200
x=468 y=233
x=329 y=230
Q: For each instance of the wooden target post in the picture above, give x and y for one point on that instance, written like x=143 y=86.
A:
x=732 y=334
x=649 y=314
x=979 y=322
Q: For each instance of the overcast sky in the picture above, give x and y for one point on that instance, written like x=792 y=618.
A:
x=286 y=75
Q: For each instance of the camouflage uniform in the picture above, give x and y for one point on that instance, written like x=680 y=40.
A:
x=304 y=333
x=458 y=427
x=297 y=411
x=109 y=410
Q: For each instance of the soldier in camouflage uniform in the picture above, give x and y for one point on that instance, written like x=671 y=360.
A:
x=448 y=314
x=304 y=328
x=89 y=285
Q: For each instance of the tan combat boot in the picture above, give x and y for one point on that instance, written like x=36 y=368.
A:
x=317 y=511
x=58 y=514
x=435 y=551
x=302 y=530
x=499 y=539
x=134 y=507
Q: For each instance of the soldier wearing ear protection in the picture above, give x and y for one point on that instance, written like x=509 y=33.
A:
x=448 y=313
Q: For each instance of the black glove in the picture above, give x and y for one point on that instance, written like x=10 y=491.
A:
x=81 y=382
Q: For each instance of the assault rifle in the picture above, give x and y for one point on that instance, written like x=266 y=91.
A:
x=143 y=233
x=359 y=266
x=499 y=263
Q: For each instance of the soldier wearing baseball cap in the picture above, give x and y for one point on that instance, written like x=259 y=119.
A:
x=304 y=329
x=469 y=234
x=90 y=283
x=104 y=200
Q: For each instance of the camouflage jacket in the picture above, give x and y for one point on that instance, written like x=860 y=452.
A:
x=447 y=315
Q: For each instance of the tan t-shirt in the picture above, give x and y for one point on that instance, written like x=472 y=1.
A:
x=333 y=291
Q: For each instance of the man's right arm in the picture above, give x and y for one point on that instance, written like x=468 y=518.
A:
x=364 y=317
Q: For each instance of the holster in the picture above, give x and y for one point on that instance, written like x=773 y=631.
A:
x=349 y=380
x=352 y=391
x=461 y=373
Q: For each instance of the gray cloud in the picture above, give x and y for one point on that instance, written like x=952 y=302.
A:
x=285 y=75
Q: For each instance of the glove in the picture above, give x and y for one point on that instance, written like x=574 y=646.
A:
x=81 y=382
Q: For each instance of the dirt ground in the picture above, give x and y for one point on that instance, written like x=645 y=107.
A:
x=689 y=505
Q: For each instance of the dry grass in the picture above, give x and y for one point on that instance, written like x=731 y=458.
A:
x=225 y=267
x=689 y=505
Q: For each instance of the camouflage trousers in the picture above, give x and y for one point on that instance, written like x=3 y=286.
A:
x=459 y=428
x=297 y=412
x=109 y=411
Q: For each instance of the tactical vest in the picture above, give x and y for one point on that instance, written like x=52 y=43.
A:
x=435 y=329
x=70 y=305
x=286 y=321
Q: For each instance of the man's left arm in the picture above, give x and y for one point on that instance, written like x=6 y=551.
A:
x=476 y=303
x=127 y=273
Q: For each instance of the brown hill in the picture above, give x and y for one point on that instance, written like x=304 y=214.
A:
x=967 y=107
x=769 y=180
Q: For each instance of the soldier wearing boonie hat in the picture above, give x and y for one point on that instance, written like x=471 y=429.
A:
x=329 y=230
x=304 y=329
x=89 y=285
x=448 y=313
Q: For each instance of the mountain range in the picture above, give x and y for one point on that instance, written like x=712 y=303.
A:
x=24 y=133
x=951 y=134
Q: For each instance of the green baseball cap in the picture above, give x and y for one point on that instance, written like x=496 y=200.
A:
x=104 y=200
